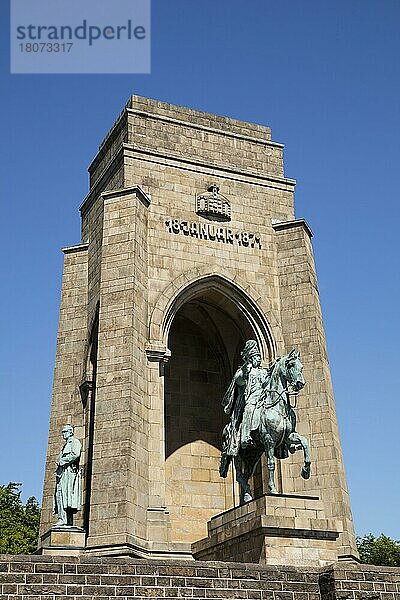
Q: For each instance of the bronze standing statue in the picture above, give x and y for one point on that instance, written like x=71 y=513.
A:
x=67 y=493
x=261 y=417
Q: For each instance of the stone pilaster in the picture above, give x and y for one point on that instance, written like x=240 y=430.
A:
x=303 y=329
x=119 y=496
x=71 y=339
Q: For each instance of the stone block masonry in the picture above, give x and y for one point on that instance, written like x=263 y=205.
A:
x=189 y=247
x=79 y=578
x=272 y=531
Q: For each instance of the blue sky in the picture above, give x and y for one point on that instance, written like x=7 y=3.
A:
x=325 y=76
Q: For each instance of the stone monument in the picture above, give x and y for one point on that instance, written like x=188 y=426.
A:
x=63 y=535
x=189 y=249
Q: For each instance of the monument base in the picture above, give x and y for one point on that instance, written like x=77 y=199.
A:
x=86 y=578
x=62 y=541
x=272 y=530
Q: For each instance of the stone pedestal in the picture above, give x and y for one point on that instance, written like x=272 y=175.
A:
x=272 y=530
x=62 y=541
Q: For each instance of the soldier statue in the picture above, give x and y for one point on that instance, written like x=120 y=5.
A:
x=241 y=398
x=67 y=494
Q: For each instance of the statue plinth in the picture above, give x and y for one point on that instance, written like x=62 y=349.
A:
x=62 y=541
x=273 y=530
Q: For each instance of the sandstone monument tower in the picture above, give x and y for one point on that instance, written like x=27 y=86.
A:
x=190 y=247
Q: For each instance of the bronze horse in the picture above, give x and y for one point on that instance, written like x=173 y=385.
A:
x=273 y=427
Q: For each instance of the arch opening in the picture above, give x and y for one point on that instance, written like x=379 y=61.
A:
x=205 y=337
x=228 y=292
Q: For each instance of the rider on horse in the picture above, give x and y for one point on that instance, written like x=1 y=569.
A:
x=244 y=402
x=241 y=402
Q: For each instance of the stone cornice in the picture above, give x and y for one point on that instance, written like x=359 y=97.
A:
x=112 y=165
x=204 y=163
x=157 y=353
x=282 y=225
x=125 y=148
x=77 y=248
x=182 y=123
x=215 y=130
x=134 y=189
x=108 y=140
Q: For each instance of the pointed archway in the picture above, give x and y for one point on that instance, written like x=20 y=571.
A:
x=207 y=330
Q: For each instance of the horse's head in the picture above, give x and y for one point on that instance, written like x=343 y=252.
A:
x=293 y=370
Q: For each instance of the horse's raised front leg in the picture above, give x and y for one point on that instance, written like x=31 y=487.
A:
x=296 y=439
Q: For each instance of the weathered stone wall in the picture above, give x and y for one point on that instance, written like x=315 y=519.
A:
x=194 y=387
x=349 y=581
x=138 y=273
x=250 y=148
x=120 y=461
x=71 y=342
x=42 y=577
x=303 y=328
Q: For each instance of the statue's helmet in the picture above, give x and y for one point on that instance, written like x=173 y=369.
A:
x=250 y=349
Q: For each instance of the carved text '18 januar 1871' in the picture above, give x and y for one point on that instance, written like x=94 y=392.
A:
x=208 y=231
